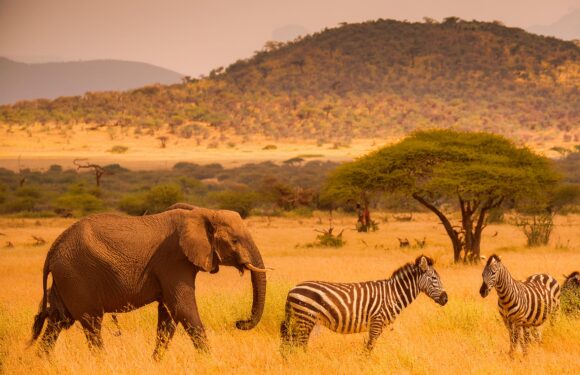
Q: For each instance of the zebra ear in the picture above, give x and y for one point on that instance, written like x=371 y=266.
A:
x=423 y=264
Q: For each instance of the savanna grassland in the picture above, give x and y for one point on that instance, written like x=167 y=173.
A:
x=465 y=336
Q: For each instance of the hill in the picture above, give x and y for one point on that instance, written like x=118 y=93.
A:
x=374 y=79
x=20 y=81
x=567 y=27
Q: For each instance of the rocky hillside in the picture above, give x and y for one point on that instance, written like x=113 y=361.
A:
x=358 y=80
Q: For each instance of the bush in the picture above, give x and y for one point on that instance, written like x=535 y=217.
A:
x=240 y=201
x=570 y=297
x=27 y=198
x=327 y=239
x=133 y=204
x=537 y=228
x=79 y=200
x=118 y=149
x=162 y=196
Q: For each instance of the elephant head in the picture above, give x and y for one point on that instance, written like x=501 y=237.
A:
x=210 y=238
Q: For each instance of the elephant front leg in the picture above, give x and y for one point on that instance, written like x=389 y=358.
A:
x=186 y=313
x=193 y=326
x=165 y=330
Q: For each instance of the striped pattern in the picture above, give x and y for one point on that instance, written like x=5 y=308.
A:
x=357 y=307
x=523 y=305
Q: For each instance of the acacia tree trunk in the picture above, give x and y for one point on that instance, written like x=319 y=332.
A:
x=468 y=240
x=454 y=235
x=471 y=209
x=364 y=214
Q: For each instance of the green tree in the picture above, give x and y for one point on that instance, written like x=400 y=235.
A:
x=351 y=183
x=162 y=196
x=80 y=200
x=240 y=201
x=445 y=169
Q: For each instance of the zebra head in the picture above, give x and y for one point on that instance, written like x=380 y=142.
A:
x=490 y=275
x=429 y=281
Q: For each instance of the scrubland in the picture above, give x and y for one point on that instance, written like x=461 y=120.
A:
x=465 y=336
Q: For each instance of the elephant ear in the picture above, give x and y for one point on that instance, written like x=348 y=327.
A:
x=196 y=239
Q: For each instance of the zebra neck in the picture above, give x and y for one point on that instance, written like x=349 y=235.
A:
x=505 y=282
x=403 y=286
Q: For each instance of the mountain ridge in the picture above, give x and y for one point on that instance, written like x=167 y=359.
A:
x=29 y=81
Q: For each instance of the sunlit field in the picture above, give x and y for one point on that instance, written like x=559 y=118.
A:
x=39 y=146
x=465 y=336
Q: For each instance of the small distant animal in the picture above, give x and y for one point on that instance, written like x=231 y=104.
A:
x=421 y=243
x=404 y=242
x=357 y=307
x=9 y=245
x=39 y=240
x=523 y=305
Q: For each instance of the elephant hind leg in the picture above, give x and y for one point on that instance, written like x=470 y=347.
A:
x=51 y=333
x=92 y=329
x=165 y=330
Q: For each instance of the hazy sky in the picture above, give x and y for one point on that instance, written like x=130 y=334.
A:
x=194 y=36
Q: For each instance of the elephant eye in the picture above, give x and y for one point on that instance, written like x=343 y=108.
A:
x=235 y=241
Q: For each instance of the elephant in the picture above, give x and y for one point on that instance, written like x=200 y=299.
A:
x=108 y=263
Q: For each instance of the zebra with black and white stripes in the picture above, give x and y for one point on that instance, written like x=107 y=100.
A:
x=357 y=307
x=523 y=305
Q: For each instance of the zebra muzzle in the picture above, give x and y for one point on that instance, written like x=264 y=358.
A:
x=443 y=299
x=484 y=290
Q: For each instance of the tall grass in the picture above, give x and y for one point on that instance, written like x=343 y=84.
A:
x=465 y=336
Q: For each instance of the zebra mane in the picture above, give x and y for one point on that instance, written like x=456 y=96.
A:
x=411 y=266
x=494 y=256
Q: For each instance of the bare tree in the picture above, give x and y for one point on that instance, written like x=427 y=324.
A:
x=163 y=139
x=97 y=169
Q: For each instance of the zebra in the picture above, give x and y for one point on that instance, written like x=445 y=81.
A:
x=570 y=298
x=357 y=307
x=523 y=305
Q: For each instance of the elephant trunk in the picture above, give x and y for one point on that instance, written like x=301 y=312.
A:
x=259 y=293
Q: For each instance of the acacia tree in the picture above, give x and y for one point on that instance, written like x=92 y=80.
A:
x=441 y=169
x=351 y=182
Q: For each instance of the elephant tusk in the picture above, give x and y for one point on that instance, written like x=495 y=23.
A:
x=256 y=269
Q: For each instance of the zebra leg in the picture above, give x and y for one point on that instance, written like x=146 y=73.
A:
x=526 y=339
x=537 y=334
x=302 y=334
x=514 y=338
x=376 y=328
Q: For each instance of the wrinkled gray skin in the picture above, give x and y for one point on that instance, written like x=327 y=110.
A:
x=110 y=263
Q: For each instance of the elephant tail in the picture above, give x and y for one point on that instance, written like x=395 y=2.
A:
x=42 y=310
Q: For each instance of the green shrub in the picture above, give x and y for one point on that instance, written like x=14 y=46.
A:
x=26 y=198
x=162 y=196
x=240 y=201
x=118 y=149
x=133 y=204
x=80 y=200
x=2 y=193
x=328 y=239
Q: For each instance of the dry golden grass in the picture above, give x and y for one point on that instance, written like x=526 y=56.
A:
x=465 y=336
x=39 y=146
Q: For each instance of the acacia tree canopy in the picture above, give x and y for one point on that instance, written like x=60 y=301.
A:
x=477 y=171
